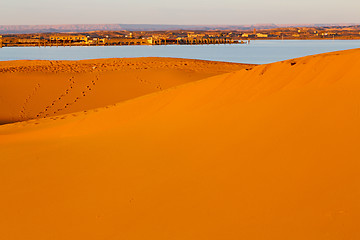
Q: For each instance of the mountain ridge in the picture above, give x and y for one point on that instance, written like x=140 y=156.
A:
x=16 y=29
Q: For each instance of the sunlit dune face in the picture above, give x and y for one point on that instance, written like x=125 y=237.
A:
x=265 y=152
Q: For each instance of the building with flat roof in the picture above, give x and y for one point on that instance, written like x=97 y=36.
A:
x=69 y=38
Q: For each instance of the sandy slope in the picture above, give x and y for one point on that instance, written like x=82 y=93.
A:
x=37 y=89
x=269 y=153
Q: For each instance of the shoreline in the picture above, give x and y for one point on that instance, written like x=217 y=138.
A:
x=242 y=41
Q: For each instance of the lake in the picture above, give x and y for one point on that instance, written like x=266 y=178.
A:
x=257 y=52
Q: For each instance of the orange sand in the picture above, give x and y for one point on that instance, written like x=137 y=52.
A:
x=267 y=153
x=37 y=89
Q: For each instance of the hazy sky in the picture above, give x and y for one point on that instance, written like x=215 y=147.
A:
x=179 y=12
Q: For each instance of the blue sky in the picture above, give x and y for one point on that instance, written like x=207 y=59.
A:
x=179 y=12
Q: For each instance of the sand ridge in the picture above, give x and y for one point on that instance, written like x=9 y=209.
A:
x=264 y=153
x=51 y=88
x=110 y=64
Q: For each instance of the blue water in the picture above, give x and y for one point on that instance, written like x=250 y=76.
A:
x=257 y=52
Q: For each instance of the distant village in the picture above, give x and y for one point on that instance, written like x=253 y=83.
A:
x=110 y=38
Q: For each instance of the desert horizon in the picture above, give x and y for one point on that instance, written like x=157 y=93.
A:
x=76 y=27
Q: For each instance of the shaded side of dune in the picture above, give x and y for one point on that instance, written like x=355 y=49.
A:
x=38 y=89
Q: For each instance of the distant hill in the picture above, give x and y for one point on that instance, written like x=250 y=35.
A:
x=12 y=29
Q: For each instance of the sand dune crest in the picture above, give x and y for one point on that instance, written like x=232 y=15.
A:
x=37 y=89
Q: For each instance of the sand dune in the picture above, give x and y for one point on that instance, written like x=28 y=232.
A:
x=37 y=89
x=265 y=153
